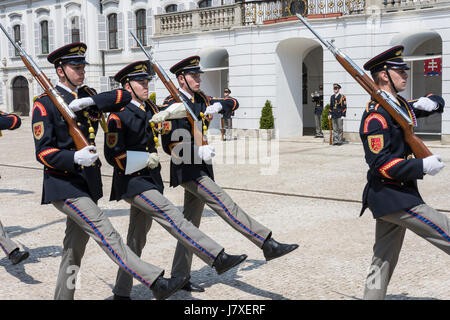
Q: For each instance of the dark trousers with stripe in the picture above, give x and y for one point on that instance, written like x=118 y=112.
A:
x=152 y=205
x=86 y=220
x=390 y=230
x=6 y=243
x=203 y=191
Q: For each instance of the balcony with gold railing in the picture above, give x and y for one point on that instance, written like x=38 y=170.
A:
x=248 y=13
x=266 y=12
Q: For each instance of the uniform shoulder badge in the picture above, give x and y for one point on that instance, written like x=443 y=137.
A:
x=374 y=116
x=111 y=139
x=38 y=130
x=376 y=143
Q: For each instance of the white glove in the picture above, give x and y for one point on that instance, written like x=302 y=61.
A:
x=432 y=164
x=85 y=157
x=153 y=160
x=214 y=108
x=174 y=111
x=206 y=152
x=80 y=104
x=425 y=104
x=329 y=116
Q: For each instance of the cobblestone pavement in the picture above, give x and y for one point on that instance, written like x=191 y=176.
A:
x=313 y=200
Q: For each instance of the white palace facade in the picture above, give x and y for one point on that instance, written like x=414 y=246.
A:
x=256 y=48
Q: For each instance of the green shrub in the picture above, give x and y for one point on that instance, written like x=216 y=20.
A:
x=325 y=113
x=266 y=121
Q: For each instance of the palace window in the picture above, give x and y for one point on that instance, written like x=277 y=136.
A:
x=44 y=37
x=141 y=26
x=205 y=4
x=171 y=8
x=16 y=30
x=112 y=31
x=75 y=29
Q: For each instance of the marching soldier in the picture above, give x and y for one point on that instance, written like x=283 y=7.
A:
x=317 y=98
x=72 y=181
x=11 y=249
x=130 y=129
x=195 y=173
x=391 y=192
x=338 y=109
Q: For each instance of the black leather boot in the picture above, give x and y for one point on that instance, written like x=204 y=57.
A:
x=225 y=262
x=163 y=288
x=273 y=249
x=17 y=256
x=192 y=287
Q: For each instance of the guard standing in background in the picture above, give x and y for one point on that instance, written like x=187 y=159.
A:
x=317 y=99
x=338 y=110
x=227 y=113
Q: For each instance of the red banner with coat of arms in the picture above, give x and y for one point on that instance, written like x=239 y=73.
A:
x=433 y=67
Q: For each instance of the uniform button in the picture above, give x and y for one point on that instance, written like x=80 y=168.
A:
x=139 y=173
x=146 y=148
x=382 y=180
x=78 y=123
x=401 y=183
x=65 y=171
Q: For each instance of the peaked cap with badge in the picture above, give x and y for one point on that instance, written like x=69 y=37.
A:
x=336 y=86
x=139 y=70
x=73 y=53
x=389 y=59
x=188 y=65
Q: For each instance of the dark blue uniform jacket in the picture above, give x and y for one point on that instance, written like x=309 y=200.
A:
x=55 y=148
x=393 y=172
x=129 y=129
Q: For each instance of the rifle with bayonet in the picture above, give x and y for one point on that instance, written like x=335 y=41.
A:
x=199 y=137
x=398 y=114
x=68 y=115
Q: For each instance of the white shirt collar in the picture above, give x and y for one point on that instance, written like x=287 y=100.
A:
x=59 y=84
x=186 y=94
x=137 y=104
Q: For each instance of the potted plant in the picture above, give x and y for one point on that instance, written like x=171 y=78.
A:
x=266 y=122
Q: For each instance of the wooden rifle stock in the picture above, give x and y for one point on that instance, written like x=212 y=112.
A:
x=416 y=144
x=331 y=131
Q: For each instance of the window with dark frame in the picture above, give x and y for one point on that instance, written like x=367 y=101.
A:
x=141 y=26
x=17 y=39
x=171 y=8
x=112 y=31
x=205 y=4
x=75 y=29
x=44 y=37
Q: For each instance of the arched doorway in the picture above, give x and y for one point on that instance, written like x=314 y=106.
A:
x=21 y=99
x=421 y=47
x=289 y=105
x=214 y=63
